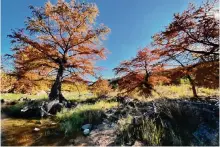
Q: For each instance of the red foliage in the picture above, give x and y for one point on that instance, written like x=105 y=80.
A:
x=196 y=30
x=204 y=74
x=191 y=38
x=139 y=73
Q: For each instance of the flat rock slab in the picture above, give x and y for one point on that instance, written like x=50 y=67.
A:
x=103 y=135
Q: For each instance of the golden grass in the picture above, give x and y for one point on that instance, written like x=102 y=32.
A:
x=161 y=91
x=176 y=92
x=69 y=95
x=16 y=96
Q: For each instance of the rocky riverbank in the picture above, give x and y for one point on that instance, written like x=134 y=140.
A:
x=158 y=122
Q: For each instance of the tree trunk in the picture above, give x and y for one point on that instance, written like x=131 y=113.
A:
x=193 y=86
x=55 y=92
x=188 y=76
x=11 y=90
x=148 y=87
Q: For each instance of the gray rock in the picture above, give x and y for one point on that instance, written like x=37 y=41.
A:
x=102 y=127
x=113 y=125
x=138 y=143
x=54 y=106
x=86 y=132
x=26 y=108
x=87 y=126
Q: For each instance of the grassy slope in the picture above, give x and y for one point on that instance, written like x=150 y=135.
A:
x=172 y=91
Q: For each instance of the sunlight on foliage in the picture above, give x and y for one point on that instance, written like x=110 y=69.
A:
x=16 y=96
x=101 y=87
x=176 y=91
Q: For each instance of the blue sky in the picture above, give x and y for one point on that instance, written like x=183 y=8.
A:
x=132 y=23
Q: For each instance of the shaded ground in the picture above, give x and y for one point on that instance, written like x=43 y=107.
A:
x=183 y=122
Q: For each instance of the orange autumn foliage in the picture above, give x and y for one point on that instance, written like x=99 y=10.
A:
x=62 y=42
x=139 y=73
x=191 y=38
x=101 y=87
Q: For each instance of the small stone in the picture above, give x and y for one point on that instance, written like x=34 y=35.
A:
x=87 y=126
x=113 y=125
x=25 y=109
x=138 y=143
x=36 y=129
x=86 y=132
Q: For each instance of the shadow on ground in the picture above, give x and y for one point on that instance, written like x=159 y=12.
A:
x=170 y=122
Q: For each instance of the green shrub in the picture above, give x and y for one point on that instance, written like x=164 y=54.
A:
x=72 y=120
x=72 y=124
x=147 y=131
x=151 y=133
x=125 y=122
x=184 y=81
x=13 y=110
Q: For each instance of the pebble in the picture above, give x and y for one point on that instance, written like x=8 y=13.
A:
x=87 y=126
x=86 y=132
x=36 y=129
